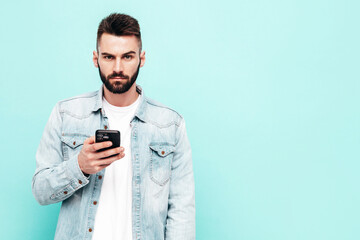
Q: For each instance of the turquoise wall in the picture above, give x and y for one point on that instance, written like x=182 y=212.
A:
x=269 y=91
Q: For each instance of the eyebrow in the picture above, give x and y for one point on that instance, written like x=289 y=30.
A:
x=109 y=54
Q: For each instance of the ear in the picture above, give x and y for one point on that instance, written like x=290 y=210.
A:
x=95 y=58
x=142 y=58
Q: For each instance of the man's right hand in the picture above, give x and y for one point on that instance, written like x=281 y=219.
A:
x=89 y=159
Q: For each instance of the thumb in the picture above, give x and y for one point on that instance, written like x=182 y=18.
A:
x=90 y=140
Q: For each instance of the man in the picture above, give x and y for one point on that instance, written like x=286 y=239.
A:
x=143 y=189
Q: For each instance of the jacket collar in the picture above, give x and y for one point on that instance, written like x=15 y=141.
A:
x=140 y=112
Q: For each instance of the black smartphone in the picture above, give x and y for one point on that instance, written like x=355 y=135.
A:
x=102 y=135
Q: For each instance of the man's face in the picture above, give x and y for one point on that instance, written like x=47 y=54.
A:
x=118 y=59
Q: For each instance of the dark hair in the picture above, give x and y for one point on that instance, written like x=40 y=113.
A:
x=119 y=25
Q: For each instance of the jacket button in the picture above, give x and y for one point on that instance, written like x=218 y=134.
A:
x=80 y=182
x=74 y=142
x=90 y=230
x=162 y=152
x=105 y=127
x=65 y=192
x=100 y=177
x=95 y=202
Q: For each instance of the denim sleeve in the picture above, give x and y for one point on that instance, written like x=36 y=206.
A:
x=181 y=210
x=55 y=179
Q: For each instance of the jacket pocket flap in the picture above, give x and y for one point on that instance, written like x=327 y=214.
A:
x=73 y=141
x=162 y=149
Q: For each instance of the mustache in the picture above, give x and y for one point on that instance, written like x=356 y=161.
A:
x=113 y=75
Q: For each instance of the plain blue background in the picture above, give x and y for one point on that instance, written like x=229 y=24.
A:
x=269 y=91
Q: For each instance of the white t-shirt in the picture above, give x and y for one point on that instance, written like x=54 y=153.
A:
x=113 y=217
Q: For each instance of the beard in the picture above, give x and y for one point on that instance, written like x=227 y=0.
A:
x=118 y=87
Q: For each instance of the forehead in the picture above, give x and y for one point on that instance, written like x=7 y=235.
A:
x=117 y=44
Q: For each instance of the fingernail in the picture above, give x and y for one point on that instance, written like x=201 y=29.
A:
x=109 y=144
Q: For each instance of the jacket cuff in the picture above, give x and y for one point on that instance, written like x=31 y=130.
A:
x=78 y=179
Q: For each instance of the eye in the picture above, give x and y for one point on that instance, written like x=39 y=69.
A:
x=128 y=57
x=108 y=57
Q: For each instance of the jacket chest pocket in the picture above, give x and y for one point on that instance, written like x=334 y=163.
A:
x=160 y=162
x=71 y=145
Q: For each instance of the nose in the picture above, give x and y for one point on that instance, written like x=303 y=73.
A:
x=117 y=65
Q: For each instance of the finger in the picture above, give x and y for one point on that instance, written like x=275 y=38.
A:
x=100 y=167
x=110 y=160
x=88 y=143
x=100 y=145
x=109 y=152
x=90 y=140
x=104 y=166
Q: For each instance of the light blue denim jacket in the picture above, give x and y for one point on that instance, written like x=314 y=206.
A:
x=163 y=196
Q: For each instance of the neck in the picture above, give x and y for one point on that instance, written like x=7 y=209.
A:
x=123 y=99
